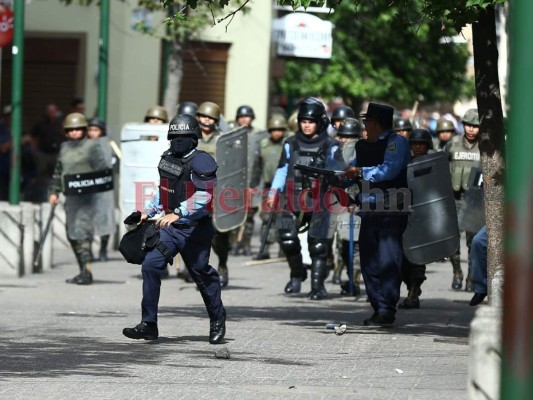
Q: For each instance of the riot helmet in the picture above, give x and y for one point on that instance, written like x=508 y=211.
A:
x=244 y=111
x=402 y=124
x=471 y=117
x=209 y=109
x=156 y=112
x=183 y=125
x=183 y=133
x=99 y=124
x=277 y=121
x=421 y=135
x=445 y=125
x=350 y=128
x=313 y=109
x=187 y=107
x=75 y=120
x=340 y=113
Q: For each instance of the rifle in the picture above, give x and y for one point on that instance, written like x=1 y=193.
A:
x=44 y=235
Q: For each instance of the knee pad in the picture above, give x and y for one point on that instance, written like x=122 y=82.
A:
x=318 y=248
x=290 y=246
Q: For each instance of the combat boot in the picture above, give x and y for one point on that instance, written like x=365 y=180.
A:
x=85 y=277
x=319 y=272
x=144 y=330
x=457 y=282
x=223 y=273
x=217 y=330
x=103 y=255
x=297 y=267
x=412 y=300
x=468 y=282
x=294 y=286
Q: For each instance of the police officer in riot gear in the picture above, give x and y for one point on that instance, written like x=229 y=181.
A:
x=208 y=116
x=413 y=275
x=312 y=146
x=187 y=179
x=82 y=173
x=403 y=127
x=156 y=115
x=463 y=154
x=264 y=168
x=187 y=107
x=445 y=133
x=339 y=114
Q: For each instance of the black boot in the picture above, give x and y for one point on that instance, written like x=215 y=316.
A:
x=319 y=272
x=294 y=286
x=298 y=273
x=85 y=277
x=412 y=300
x=217 y=330
x=103 y=248
x=457 y=282
x=145 y=330
x=468 y=282
x=223 y=273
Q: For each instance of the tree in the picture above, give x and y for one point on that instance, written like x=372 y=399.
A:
x=374 y=57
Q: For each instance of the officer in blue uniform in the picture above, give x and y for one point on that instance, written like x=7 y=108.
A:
x=187 y=180
x=380 y=169
x=310 y=146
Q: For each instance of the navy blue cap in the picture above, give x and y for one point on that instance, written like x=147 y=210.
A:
x=204 y=171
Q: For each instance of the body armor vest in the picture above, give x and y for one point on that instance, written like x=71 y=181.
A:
x=209 y=145
x=175 y=180
x=371 y=154
x=463 y=156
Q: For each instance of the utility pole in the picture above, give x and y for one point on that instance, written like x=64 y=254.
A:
x=103 y=59
x=517 y=339
x=16 y=100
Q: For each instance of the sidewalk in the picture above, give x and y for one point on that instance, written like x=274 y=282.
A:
x=60 y=341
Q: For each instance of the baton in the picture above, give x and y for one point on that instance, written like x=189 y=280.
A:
x=269 y=224
x=43 y=236
x=350 y=254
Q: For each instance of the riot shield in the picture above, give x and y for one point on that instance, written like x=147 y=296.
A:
x=472 y=211
x=230 y=200
x=432 y=231
x=142 y=146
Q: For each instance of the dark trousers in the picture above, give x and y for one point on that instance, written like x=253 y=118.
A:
x=413 y=274
x=194 y=245
x=380 y=243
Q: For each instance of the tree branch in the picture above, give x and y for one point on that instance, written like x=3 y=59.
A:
x=231 y=15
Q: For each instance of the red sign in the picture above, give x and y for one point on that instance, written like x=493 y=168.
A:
x=6 y=26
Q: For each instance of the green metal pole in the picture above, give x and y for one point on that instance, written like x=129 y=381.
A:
x=103 y=60
x=16 y=100
x=517 y=339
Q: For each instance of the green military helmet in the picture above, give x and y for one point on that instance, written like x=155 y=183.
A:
x=445 y=125
x=421 y=135
x=156 y=112
x=209 y=109
x=402 y=124
x=350 y=128
x=277 y=121
x=471 y=117
x=75 y=120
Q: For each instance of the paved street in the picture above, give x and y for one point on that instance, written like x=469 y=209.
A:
x=60 y=341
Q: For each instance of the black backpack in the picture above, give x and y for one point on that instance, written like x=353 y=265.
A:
x=136 y=243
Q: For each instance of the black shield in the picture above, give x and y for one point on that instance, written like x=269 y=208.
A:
x=472 y=211
x=432 y=231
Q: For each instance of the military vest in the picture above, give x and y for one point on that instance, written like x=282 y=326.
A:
x=371 y=154
x=270 y=153
x=462 y=156
x=175 y=180
x=209 y=145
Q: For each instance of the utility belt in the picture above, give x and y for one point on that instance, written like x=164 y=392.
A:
x=88 y=182
x=187 y=224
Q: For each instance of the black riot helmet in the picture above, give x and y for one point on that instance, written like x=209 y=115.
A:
x=341 y=112
x=187 y=107
x=422 y=136
x=350 y=128
x=99 y=124
x=313 y=109
x=244 y=111
x=183 y=125
x=402 y=124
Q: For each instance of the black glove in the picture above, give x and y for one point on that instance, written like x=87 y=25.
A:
x=133 y=218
